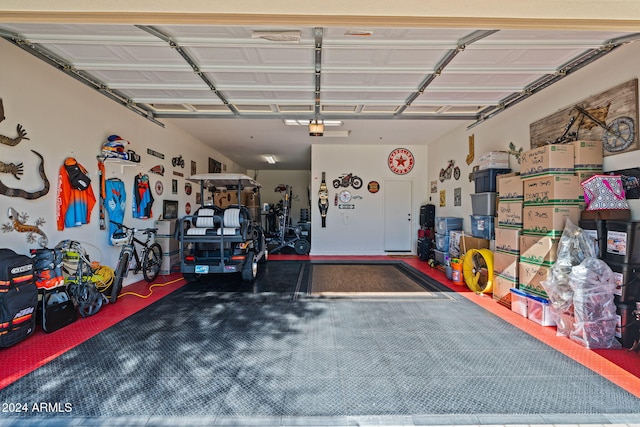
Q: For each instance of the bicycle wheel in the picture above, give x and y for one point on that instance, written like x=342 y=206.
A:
x=121 y=272
x=151 y=262
x=621 y=135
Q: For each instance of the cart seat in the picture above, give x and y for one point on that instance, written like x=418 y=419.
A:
x=204 y=223
x=233 y=219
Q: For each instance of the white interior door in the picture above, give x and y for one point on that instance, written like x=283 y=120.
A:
x=398 y=223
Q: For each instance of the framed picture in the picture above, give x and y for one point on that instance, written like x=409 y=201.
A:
x=434 y=186
x=174 y=186
x=169 y=209
x=214 y=166
x=193 y=167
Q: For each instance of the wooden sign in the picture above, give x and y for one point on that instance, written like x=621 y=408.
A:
x=616 y=121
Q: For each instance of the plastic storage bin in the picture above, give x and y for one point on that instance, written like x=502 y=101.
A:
x=539 y=310
x=442 y=242
x=445 y=224
x=482 y=226
x=442 y=257
x=623 y=242
x=484 y=203
x=519 y=302
x=485 y=180
x=598 y=229
x=627 y=278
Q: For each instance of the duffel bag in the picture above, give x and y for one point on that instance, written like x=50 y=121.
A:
x=18 y=298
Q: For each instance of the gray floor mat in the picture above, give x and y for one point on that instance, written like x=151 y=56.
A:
x=218 y=354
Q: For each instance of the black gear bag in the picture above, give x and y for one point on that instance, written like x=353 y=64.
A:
x=18 y=298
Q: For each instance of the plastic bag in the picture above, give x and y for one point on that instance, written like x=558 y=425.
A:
x=574 y=246
x=594 y=307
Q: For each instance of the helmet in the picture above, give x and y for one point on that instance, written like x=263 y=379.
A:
x=119 y=238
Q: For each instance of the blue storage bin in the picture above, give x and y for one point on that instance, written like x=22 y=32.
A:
x=442 y=258
x=485 y=180
x=445 y=224
x=482 y=226
x=442 y=242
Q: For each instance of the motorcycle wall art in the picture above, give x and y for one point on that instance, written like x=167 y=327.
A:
x=348 y=179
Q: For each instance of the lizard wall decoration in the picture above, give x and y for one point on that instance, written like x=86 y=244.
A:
x=17 y=169
x=17 y=223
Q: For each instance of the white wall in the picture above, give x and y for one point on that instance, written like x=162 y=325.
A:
x=66 y=118
x=512 y=125
x=360 y=231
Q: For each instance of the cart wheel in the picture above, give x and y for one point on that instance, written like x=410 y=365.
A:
x=302 y=247
x=250 y=267
x=191 y=277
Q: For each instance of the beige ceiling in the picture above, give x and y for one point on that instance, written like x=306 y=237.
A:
x=233 y=85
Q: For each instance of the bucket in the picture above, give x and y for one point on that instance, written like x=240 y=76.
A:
x=456 y=273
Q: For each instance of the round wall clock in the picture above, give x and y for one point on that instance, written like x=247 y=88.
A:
x=345 y=196
x=401 y=161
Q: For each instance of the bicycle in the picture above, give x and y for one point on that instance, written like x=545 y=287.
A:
x=149 y=263
x=617 y=135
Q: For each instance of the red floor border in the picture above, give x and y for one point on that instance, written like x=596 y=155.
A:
x=42 y=347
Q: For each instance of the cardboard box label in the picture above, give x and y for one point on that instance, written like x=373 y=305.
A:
x=507 y=240
x=548 y=220
x=510 y=214
x=531 y=278
x=559 y=189
x=506 y=265
x=556 y=158
x=539 y=250
x=510 y=187
x=501 y=290
x=587 y=154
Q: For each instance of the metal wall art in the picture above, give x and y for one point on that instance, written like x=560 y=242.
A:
x=17 y=169
x=17 y=223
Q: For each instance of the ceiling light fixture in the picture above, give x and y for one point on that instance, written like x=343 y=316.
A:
x=294 y=122
x=316 y=128
x=270 y=159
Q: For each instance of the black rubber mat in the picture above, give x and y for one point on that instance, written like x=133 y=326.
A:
x=219 y=350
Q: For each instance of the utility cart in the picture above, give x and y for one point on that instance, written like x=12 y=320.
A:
x=224 y=234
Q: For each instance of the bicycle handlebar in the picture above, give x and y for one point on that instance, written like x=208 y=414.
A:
x=143 y=230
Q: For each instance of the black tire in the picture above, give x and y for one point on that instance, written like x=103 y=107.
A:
x=302 y=247
x=250 y=268
x=336 y=183
x=151 y=262
x=191 y=277
x=356 y=182
x=89 y=300
x=121 y=271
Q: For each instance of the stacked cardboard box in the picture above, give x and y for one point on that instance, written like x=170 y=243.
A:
x=507 y=237
x=551 y=195
x=587 y=159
